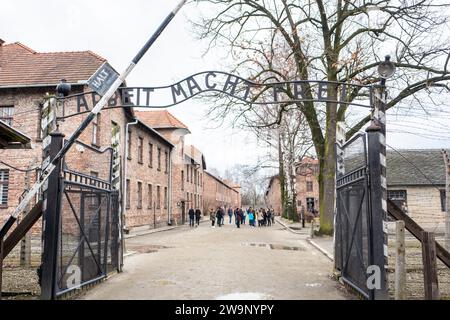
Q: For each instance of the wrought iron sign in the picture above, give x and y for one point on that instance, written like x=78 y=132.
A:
x=234 y=86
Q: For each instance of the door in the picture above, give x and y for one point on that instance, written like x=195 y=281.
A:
x=310 y=204
x=183 y=212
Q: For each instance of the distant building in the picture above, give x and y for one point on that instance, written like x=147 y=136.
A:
x=220 y=193
x=416 y=183
x=272 y=196
x=307 y=185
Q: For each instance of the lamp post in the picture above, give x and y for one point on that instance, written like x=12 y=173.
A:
x=377 y=152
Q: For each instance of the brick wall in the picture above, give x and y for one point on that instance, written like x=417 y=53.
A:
x=307 y=186
x=273 y=196
x=26 y=103
x=149 y=177
x=217 y=193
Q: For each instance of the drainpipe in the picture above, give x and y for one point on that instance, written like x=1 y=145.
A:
x=169 y=196
x=124 y=204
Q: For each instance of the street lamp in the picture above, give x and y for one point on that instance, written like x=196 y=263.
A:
x=386 y=69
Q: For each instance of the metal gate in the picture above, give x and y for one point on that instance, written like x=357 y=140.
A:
x=89 y=231
x=358 y=224
x=81 y=221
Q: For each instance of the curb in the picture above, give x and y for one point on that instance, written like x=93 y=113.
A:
x=322 y=250
x=286 y=227
x=162 y=229
x=130 y=236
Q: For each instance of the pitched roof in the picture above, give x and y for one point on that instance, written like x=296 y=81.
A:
x=218 y=179
x=415 y=167
x=160 y=119
x=22 y=66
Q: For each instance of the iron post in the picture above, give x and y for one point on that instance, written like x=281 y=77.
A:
x=51 y=219
x=377 y=242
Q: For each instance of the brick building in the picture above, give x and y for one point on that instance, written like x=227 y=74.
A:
x=188 y=163
x=307 y=185
x=416 y=183
x=26 y=77
x=163 y=177
x=220 y=193
x=272 y=197
x=148 y=172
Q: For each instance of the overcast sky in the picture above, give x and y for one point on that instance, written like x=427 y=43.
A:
x=117 y=29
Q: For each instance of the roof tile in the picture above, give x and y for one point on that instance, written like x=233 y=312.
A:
x=20 y=65
x=160 y=119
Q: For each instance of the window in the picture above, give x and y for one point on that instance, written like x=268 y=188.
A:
x=150 y=155
x=140 y=150
x=127 y=205
x=96 y=130
x=166 y=162
x=129 y=145
x=158 y=197
x=182 y=180
x=139 y=194
x=443 y=199
x=150 y=196
x=187 y=173
x=4 y=186
x=159 y=159
x=309 y=186
x=398 y=197
x=165 y=197
x=192 y=175
x=6 y=114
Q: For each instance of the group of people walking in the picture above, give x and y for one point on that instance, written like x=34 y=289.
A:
x=260 y=216
x=194 y=217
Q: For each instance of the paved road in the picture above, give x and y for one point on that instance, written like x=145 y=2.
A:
x=220 y=263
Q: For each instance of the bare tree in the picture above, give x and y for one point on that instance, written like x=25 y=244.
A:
x=334 y=40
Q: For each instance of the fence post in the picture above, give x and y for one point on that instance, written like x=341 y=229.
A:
x=378 y=247
x=400 y=270
x=430 y=277
x=51 y=218
x=312 y=228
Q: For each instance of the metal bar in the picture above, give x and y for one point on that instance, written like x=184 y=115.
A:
x=81 y=256
x=108 y=213
x=62 y=292
x=355 y=287
x=47 y=172
x=98 y=231
x=87 y=186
